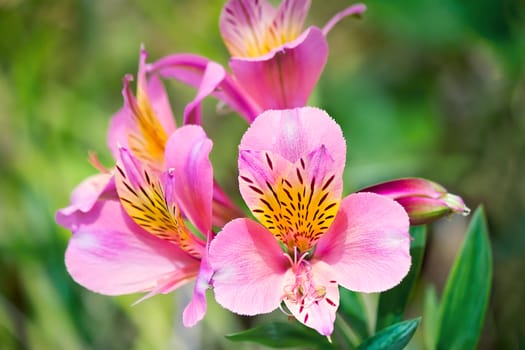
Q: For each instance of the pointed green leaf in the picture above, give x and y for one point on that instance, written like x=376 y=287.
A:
x=393 y=302
x=283 y=335
x=353 y=311
x=467 y=290
x=430 y=317
x=394 y=337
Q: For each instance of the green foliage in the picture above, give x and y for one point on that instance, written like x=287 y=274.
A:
x=467 y=291
x=283 y=335
x=393 y=302
x=352 y=310
x=394 y=337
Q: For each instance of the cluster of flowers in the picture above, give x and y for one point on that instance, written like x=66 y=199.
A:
x=158 y=219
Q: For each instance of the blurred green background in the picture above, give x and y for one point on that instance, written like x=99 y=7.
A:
x=421 y=88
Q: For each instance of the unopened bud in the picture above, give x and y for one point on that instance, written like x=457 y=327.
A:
x=424 y=201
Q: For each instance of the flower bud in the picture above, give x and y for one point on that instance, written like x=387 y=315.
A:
x=425 y=201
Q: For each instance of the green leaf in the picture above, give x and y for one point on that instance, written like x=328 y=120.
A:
x=467 y=290
x=393 y=337
x=393 y=302
x=353 y=311
x=283 y=335
x=430 y=317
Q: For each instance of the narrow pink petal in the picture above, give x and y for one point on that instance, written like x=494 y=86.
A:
x=119 y=130
x=354 y=10
x=160 y=103
x=84 y=197
x=243 y=25
x=189 y=69
x=295 y=133
x=286 y=76
x=213 y=76
x=367 y=246
x=250 y=268
x=110 y=254
x=196 y=309
x=187 y=158
x=289 y=19
x=319 y=315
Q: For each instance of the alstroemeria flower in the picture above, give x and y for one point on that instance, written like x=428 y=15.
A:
x=141 y=243
x=275 y=64
x=273 y=59
x=308 y=240
x=424 y=201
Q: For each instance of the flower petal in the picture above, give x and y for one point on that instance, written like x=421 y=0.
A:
x=187 y=157
x=110 y=254
x=298 y=201
x=288 y=22
x=84 y=197
x=368 y=243
x=196 y=309
x=243 y=25
x=354 y=10
x=147 y=197
x=250 y=268
x=213 y=76
x=320 y=314
x=295 y=133
x=285 y=77
x=190 y=69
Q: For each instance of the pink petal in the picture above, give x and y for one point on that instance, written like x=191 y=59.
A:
x=295 y=133
x=289 y=20
x=196 y=309
x=367 y=246
x=187 y=157
x=286 y=76
x=190 y=69
x=243 y=25
x=84 y=197
x=213 y=76
x=320 y=315
x=118 y=131
x=250 y=268
x=354 y=10
x=160 y=103
x=110 y=254
x=297 y=201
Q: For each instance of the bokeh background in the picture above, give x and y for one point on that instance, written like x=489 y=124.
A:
x=421 y=88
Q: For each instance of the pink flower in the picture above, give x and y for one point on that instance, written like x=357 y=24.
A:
x=424 y=201
x=141 y=243
x=275 y=64
x=273 y=59
x=308 y=241
x=143 y=126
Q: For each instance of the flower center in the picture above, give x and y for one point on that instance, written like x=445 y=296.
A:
x=303 y=291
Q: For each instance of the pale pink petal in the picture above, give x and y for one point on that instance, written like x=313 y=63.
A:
x=368 y=244
x=295 y=133
x=243 y=25
x=354 y=10
x=250 y=268
x=286 y=76
x=84 y=197
x=213 y=76
x=289 y=20
x=187 y=158
x=110 y=254
x=189 y=69
x=320 y=314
